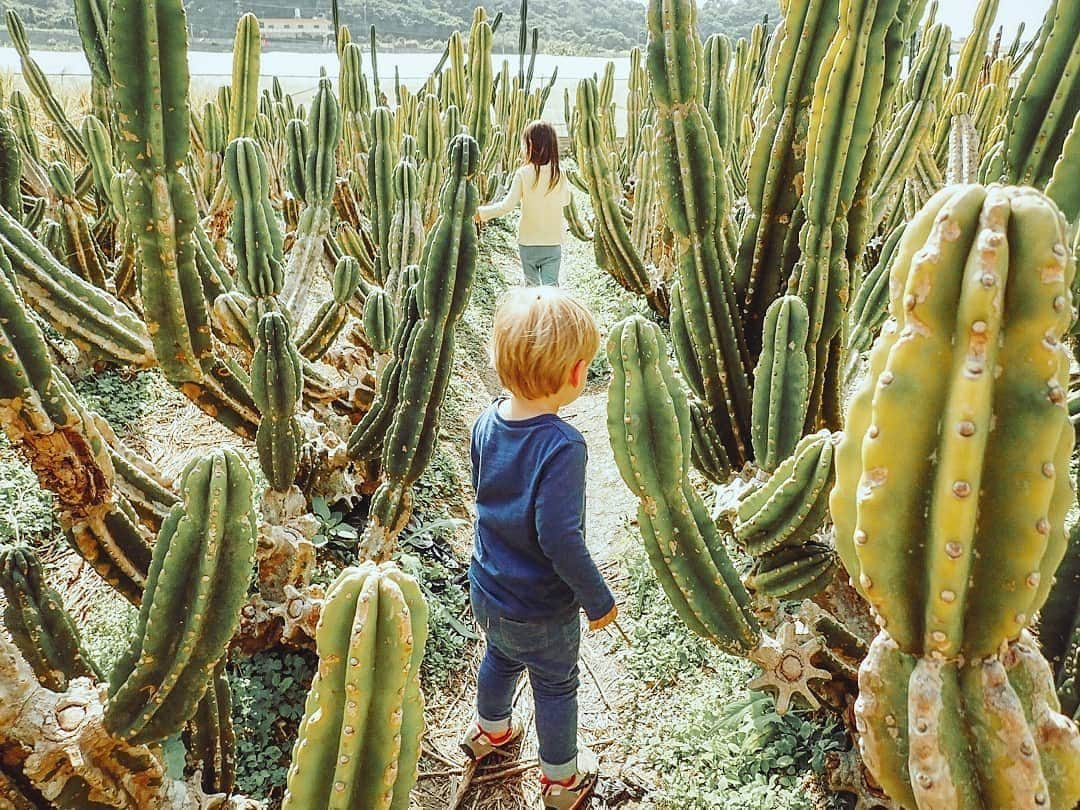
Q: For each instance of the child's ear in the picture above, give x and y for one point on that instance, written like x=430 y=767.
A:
x=578 y=372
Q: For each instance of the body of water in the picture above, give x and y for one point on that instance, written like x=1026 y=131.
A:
x=299 y=72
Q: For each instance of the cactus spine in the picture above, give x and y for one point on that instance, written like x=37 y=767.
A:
x=39 y=625
x=962 y=477
x=359 y=742
x=199 y=577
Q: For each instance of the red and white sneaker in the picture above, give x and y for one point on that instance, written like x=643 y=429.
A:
x=572 y=793
x=477 y=743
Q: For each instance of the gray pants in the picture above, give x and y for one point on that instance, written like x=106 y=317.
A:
x=541 y=264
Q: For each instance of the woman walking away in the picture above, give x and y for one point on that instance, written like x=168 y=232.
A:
x=542 y=190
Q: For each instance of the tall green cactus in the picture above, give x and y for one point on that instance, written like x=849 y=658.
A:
x=277 y=380
x=198 y=580
x=649 y=425
x=256 y=236
x=10 y=168
x=380 y=173
x=39 y=85
x=478 y=101
x=912 y=124
x=359 y=742
x=431 y=142
x=768 y=251
x=247 y=53
x=614 y=249
x=446 y=277
x=80 y=250
x=954 y=465
x=41 y=628
x=706 y=327
x=649 y=428
x=406 y=237
x=853 y=90
x=323 y=128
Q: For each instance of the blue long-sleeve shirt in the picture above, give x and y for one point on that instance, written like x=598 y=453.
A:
x=529 y=559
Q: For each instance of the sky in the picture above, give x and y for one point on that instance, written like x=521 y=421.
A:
x=958 y=14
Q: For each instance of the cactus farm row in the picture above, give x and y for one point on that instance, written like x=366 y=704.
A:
x=853 y=361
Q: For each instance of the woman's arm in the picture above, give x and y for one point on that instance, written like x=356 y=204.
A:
x=506 y=204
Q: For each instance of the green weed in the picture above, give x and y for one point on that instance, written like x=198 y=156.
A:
x=269 y=689
x=716 y=744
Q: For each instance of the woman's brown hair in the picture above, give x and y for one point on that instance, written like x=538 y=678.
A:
x=541 y=148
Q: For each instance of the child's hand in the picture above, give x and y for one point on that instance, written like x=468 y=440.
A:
x=604 y=620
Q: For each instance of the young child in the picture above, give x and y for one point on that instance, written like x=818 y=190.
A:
x=531 y=572
x=542 y=190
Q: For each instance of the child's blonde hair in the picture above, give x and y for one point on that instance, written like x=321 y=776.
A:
x=539 y=334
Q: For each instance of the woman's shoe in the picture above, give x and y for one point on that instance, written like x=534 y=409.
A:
x=477 y=743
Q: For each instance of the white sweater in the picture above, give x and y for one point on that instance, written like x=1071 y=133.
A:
x=541 y=206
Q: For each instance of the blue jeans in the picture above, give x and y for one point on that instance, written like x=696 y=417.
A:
x=541 y=264
x=549 y=651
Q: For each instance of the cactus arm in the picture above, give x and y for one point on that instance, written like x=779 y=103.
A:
x=358 y=745
x=649 y=428
x=277 y=382
x=695 y=201
x=212 y=740
x=791 y=505
x=1047 y=101
x=319 y=172
x=446 y=276
x=256 y=236
x=212 y=534
x=10 y=169
x=366 y=441
x=39 y=625
x=406 y=237
x=92 y=318
x=247 y=52
x=781 y=383
x=150 y=84
x=35 y=79
x=1064 y=185
x=777 y=156
x=478 y=101
x=380 y=187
